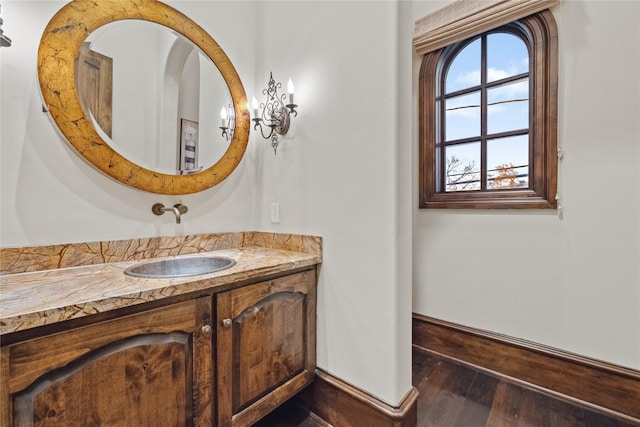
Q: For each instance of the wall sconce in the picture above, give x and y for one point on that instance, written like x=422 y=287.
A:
x=4 y=40
x=275 y=113
x=228 y=123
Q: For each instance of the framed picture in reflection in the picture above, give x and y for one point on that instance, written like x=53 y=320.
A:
x=188 y=147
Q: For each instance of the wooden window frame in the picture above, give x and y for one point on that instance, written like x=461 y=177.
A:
x=543 y=159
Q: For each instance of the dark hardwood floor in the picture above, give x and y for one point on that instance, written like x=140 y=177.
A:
x=453 y=394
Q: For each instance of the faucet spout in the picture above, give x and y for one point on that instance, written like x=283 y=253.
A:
x=177 y=209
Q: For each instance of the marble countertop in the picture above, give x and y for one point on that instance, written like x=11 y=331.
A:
x=32 y=299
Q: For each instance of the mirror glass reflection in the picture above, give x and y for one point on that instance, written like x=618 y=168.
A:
x=153 y=96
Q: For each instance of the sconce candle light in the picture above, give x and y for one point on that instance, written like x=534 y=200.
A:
x=228 y=122
x=275 y=112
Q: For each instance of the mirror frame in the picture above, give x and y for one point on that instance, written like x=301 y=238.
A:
x=59 y=46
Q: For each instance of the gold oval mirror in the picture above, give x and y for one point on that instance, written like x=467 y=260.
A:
x=60 y=46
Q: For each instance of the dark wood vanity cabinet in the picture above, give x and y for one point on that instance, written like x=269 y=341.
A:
x=169 y=366
x=266 y=346
x=148 y=369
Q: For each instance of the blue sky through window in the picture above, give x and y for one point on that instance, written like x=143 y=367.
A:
x=508 y=108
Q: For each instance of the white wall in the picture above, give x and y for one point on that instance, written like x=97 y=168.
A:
x=336 y=174
x=571 y=282
x=342 y=172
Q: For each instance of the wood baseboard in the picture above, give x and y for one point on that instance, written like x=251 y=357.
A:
x=608 y=387
x=342 y=405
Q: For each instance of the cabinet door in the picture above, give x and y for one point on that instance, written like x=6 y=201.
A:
x=147 y=369
x=266 y=346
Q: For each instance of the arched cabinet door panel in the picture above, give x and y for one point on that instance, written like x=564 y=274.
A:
x=152 y=368
x=265 y=346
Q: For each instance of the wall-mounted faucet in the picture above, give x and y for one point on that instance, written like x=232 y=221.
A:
x=177 y=209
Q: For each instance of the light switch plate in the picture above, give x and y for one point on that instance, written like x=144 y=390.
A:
x=275 y=212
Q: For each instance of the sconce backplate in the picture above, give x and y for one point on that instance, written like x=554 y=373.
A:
x=283 y=127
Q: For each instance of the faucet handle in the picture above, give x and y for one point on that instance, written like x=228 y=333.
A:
x=157 y=209
x=181 y=208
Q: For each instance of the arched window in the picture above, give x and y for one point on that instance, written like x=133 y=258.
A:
x=488 y=107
